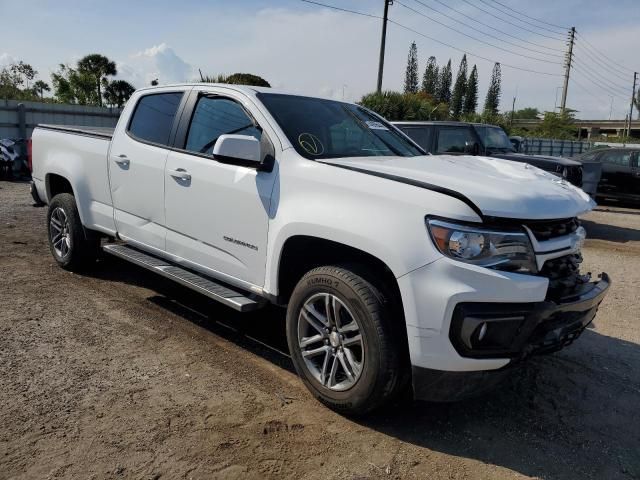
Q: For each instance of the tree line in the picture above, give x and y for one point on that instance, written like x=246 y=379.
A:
x=436 y=96
x=88 y=82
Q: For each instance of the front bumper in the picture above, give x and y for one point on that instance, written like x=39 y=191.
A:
x=448 y=361
x=515 y=331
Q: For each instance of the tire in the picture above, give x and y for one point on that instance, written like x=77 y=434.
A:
x=72 y=247
x=376 y=364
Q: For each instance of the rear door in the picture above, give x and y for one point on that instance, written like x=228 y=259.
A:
x=217 y=210
x=421 y=134
x=617 y=175
x=453 y=140
x=635 y=180
x=136 y=168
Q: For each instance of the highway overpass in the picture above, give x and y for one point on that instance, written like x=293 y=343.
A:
x=589 y=128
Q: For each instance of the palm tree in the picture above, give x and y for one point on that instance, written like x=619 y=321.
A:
x=118 y=92
x=40 y=87
x=99 y=67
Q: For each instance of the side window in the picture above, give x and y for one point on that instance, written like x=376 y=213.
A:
x=453 y=140
x=153 y=117
x=621 y=158
x=589 y=157
x=215 y=116
x=420 y=135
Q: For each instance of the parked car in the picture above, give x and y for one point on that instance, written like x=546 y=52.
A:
x=9 y=156
x=461 y=138
x=620 y=172
x=393 y=266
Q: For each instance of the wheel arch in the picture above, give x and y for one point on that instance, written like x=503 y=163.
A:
x=301 y=253
x=55 y=184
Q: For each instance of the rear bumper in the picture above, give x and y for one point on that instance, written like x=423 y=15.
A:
x=512 y=332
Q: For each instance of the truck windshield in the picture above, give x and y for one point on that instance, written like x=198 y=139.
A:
x=320 y=128
x=494 y=139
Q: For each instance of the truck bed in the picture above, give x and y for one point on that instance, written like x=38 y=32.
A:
x=100 y=132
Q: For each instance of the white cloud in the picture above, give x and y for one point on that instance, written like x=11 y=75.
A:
x=6 y=59
x=159 y=61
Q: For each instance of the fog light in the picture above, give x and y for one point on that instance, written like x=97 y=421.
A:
x=483 y=332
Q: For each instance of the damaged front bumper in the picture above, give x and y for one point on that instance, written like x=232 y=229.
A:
x=510 y=331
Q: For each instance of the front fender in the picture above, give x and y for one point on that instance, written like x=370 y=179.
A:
x=380 y=217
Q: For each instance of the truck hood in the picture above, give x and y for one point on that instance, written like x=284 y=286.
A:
x=541 y=161
x=498 y=188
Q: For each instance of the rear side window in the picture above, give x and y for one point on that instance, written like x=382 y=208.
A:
x=591 y=156
x=421 y=135
x=619 y=157
x=453 y=140
x=153 y=117
x=215 y=116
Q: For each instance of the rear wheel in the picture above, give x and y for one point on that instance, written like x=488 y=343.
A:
x=73 y=247
x=343 y=340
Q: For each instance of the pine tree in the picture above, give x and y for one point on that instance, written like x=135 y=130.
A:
x=471 y=94
x=430 y=77
x=411 y=75
x=459 y=90
x=444 y=84
x=493 y=94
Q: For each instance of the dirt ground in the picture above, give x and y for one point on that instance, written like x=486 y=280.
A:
x=121 y=374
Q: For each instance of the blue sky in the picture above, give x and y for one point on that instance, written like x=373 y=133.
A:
x=308 y=49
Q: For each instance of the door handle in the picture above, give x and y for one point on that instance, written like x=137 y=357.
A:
x=122 y=160
x=180 y=173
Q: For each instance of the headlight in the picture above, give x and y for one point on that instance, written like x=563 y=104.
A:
x=504 y=250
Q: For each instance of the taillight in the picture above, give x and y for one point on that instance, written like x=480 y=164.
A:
x=29 y=156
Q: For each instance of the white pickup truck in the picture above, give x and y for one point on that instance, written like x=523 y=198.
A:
x=396 y=268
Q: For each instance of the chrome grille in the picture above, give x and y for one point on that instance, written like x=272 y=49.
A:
x=548 y=229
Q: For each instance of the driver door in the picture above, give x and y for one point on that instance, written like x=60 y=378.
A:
x=217 y=212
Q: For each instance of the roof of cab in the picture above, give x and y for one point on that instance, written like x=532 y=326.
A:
x=247 y=89
x=449 y=123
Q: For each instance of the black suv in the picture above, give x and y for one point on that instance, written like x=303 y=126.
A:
x=620 y=172
x=461 y=138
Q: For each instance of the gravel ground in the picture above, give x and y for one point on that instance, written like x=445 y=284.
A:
x=121 y=374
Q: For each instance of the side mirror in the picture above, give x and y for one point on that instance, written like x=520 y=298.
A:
x=471 y=148
x=238 y=147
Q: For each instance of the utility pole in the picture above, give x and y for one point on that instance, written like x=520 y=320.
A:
x=633 y=97
x=572 y=37
x=513 y=109
x=382 y=42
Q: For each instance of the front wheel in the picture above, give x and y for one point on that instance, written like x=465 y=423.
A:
x=343 y=341
x=72 y=247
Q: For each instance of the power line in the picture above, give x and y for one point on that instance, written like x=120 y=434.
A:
x=523 y=21
x=602 y=78
x=476 y=38
x=573 y=80
x=485 y=33
x=471 y=54
x=601 y=64
x=492 y=27
x=511 y=23
x=527 y=16
x=605 y=58
x=341 y=9
x=597 y=83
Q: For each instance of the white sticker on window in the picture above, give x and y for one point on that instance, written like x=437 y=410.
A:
x=375 y=125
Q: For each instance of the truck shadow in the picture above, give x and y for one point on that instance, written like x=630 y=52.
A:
x=573 y=415
x=610 y=233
